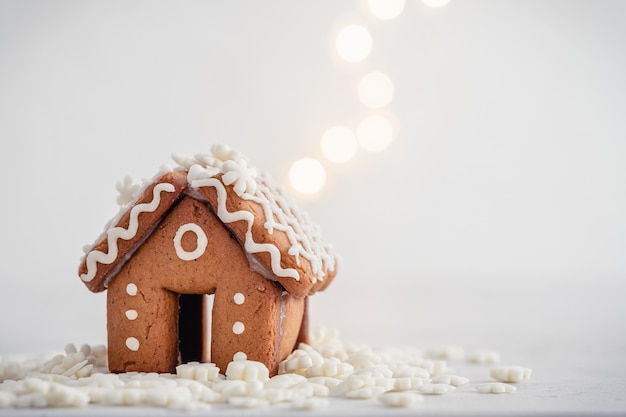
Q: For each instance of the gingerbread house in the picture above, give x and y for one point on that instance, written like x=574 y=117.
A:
x=210 y=232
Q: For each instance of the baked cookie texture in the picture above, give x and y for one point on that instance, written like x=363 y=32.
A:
x=214 y=226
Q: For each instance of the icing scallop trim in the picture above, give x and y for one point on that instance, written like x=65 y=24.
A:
x=116 y=233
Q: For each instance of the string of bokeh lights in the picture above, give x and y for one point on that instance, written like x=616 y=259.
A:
x=375 y=90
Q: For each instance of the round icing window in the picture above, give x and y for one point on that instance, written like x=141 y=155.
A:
x=201 y=242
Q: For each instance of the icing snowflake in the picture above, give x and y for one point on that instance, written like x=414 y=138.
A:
x=226 y=153
x=127 y=190
x=238 y=173
x=207 y=160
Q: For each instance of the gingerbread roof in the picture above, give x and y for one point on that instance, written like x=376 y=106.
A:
x=280 y=240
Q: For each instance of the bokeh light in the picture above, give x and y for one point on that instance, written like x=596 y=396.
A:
x=353 y=43
x=339 y=144
x=374 y=133
x=435 y=3
x=386 y=9
x=307 y=175
x=375 y=90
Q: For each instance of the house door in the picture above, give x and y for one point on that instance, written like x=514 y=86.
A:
x=194 y=327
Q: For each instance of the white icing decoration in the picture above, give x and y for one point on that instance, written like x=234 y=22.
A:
x=240 y=356
x=183 y=161
x=401 y=399
x=201 y=242
x=238 y=173
x=220 y=151
x=238 y=327
x=131 y=289
x=126 y=234
x=132 y=343
x=315 y=403
x=495 y=388
x=225 y=153
x=455 y=380
x=510 y=373
x=249 y=371
x=239 y=298
x=127 y=190
x=202 y=372
x=131 y=314
x=435 y=389
x=203 y=160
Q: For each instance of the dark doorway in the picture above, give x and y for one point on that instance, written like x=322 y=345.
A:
x=190 y=327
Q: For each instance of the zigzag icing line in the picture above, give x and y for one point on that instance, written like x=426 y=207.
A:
x=250 y=245
x=120 y=233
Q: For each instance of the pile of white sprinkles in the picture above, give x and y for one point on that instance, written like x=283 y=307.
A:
x=307 y=379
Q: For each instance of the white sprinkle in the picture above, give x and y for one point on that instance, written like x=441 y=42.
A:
x=434 y=367
x=198 y=371
x=484 y=356
x=455 y=380
x=407 y=383
x=239 y=298
x=510 y=373
x=131 y=289
x=132 y=343
x=7 y=399
x=435 y=389
x=236 y=388
x=248 y=371
x=410 y=372
x=131 y=314
x=401 y=399
x=314 y=403
x=313 y=372
x=238 y=327
x=247 y=402
x=495 y=388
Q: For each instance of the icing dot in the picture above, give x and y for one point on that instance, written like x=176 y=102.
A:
x=239 y=298
x=132 y=343
x=201 y=242
x=240 y=356
x=131 y=289
x=131 y=314
x=238 y=327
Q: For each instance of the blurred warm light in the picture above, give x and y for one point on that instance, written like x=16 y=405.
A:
x=339 y=144
x=386 y=9
x=435 y=3
x=307 y=175
x=353 y=43
x=375 y=90
x=374 y=133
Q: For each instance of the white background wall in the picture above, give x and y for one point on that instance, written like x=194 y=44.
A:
x=507 y=175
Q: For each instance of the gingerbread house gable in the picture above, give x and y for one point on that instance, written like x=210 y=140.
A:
x=280 y=240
